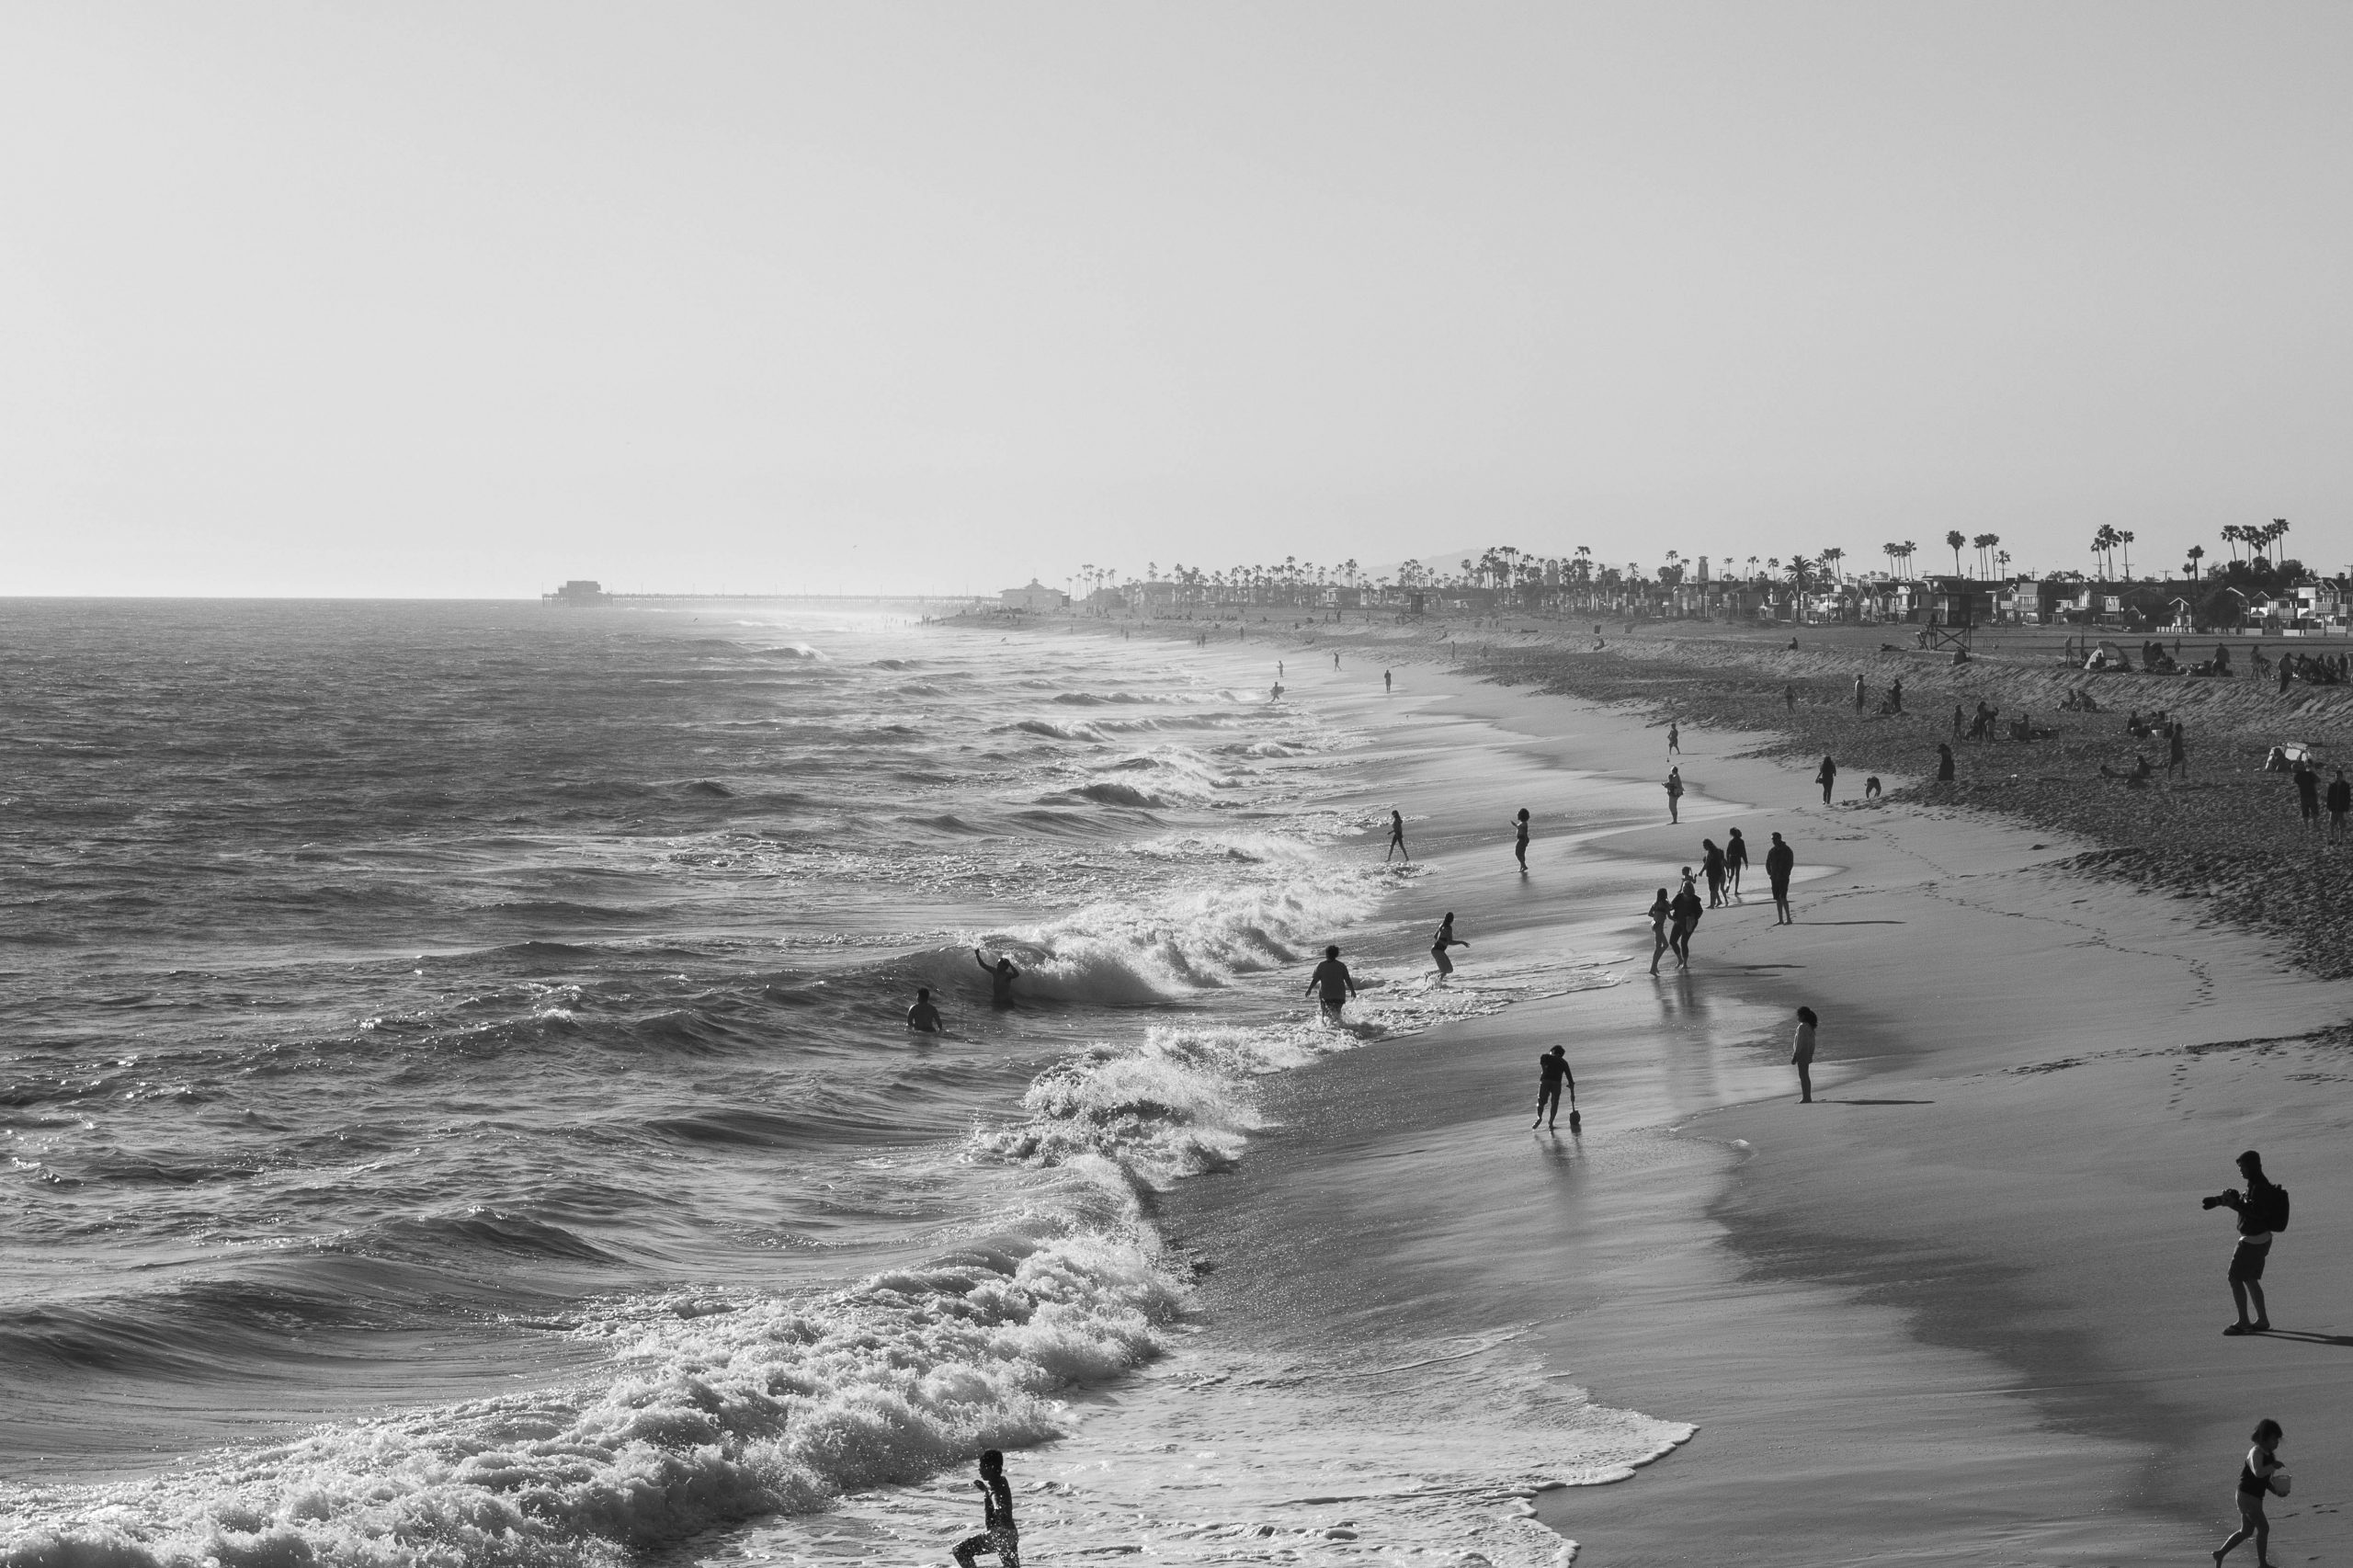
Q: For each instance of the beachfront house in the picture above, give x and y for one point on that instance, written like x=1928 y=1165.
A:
x=1037 y=596
x=2320 y=606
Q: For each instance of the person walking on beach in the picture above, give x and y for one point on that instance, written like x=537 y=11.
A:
x=1685 y=913
x=1386 y=685
x=2176 y=755
x=1332 y=978
x=1554 y=1066
x=1779 y=860
x=1789 y=694
x=1675 y=794
x=1712 y=866
x=1661 y=909
x=1335 y=660
x=997 y=1532
x=1519 y=840
x=1826 y=776
x=1895 y=694
x=1444 y=939
x=923 y=1018
x=1944 y=760
x=1398 y=838
x=1002 y=974
x=1674 y=738
x=1736 y=859
x=2262 y=1210
x=2340 y=801
x=2255 y=1483
x=1859 y=692
x=1801 y=1054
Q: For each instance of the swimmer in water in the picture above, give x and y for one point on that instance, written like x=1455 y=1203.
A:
x=923 y=1018
x=1332 y=978
x=1002 y=974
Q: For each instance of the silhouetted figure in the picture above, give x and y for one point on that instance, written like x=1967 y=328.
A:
x=1736 y=860
x=1335 y=660
x=1555 y=1066
x=1826 y=776
x=1801 y=1054
x=1519 y=839
x=1712 y=866
x=1673 y=739
x=1780 y=861
x=1944 y=753
x=1871 y=787
x=2308 y=794
x=1675 y=794
x=1661 y=909
x=923 y=1018
x=1685 y=917
x=1386 y=684
x=2177 y=753
x=997 y=1532
x=2262 y=1210
x=1789 y=694
x=1444 y=939
x=2287 y=671
x=1895 y=694
x=1398 y=838
x=1957 y=721
x=1332 y=979
x=2255 y=1483
x=1002 y=974
x=2340 y=801
x=1859 y=693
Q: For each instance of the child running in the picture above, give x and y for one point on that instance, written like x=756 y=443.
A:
x=997 y=1532
x=2255 y=1483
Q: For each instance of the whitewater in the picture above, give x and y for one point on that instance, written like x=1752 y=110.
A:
x=458 y=1108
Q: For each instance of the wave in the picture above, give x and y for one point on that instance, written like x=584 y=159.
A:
x=1107 y=795
x=713 y=1411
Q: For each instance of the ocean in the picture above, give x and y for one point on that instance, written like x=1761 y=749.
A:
x=458 y=1107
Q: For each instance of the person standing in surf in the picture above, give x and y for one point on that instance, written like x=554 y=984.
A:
x=1685 y=912
x=1660 y=907
x=1398 y=838
x=1712 y=866
x=1736 y=859
x=1519 y=843
x=1801 y=1054
x=1332 y=978
x=1001 y=978
x=1555 y=1067
x=998 y=1533
x=923 y=1018
x=1386 y=685
x=1444 y=939
x=1780 y=861
x=1675 y=794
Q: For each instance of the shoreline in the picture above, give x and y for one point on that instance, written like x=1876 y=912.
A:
x=2129 y=1431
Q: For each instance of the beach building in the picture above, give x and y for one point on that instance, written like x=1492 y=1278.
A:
x=579 y=592
x=1037 y=596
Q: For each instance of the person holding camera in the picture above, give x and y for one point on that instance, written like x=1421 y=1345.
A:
x=2262 y=1210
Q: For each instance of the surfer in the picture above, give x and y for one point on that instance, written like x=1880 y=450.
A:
x=1555 y=1066
x=1001 y=978
x=923 y=1018
x=997 y=1532
x=1332 y=978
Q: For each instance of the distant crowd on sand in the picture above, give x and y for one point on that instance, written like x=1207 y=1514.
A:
x=2260 y=1205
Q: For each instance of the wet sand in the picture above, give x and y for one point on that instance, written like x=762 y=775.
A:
x=1965 y=1307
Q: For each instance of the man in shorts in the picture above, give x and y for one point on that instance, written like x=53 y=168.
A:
x=1554 y=1066
x=1331 y=978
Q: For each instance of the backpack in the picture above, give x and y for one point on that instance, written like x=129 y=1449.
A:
x=2278 y=1216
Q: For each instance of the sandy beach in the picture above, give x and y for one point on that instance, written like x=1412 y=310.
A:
x=1966 y=1307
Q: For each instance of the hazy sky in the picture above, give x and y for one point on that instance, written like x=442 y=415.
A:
x=468 y=299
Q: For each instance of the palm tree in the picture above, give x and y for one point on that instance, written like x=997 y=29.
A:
x=1953 y=541
x=1752 y=566
x=2197 y=554
x=1830 y=558
x=1985 y=543
x=2232 y=534
x=2124 y=538
x=2002 y=562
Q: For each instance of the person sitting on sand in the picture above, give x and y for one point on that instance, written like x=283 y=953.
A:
x=2262 y=1210
x=1661 y=908
x=923 y=1018
x=997 y=1532
x=1555 y=1067
x=2255 y=1483
x=1736 y=859
x=1780 y=861
x=1332 y=978
x=1675 y=794
x=1801 y=1054
x=1444 y=939
x=1001 y=976
x=1826 y=776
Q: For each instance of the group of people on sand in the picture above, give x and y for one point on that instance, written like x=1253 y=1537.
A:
x=1674 y=918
